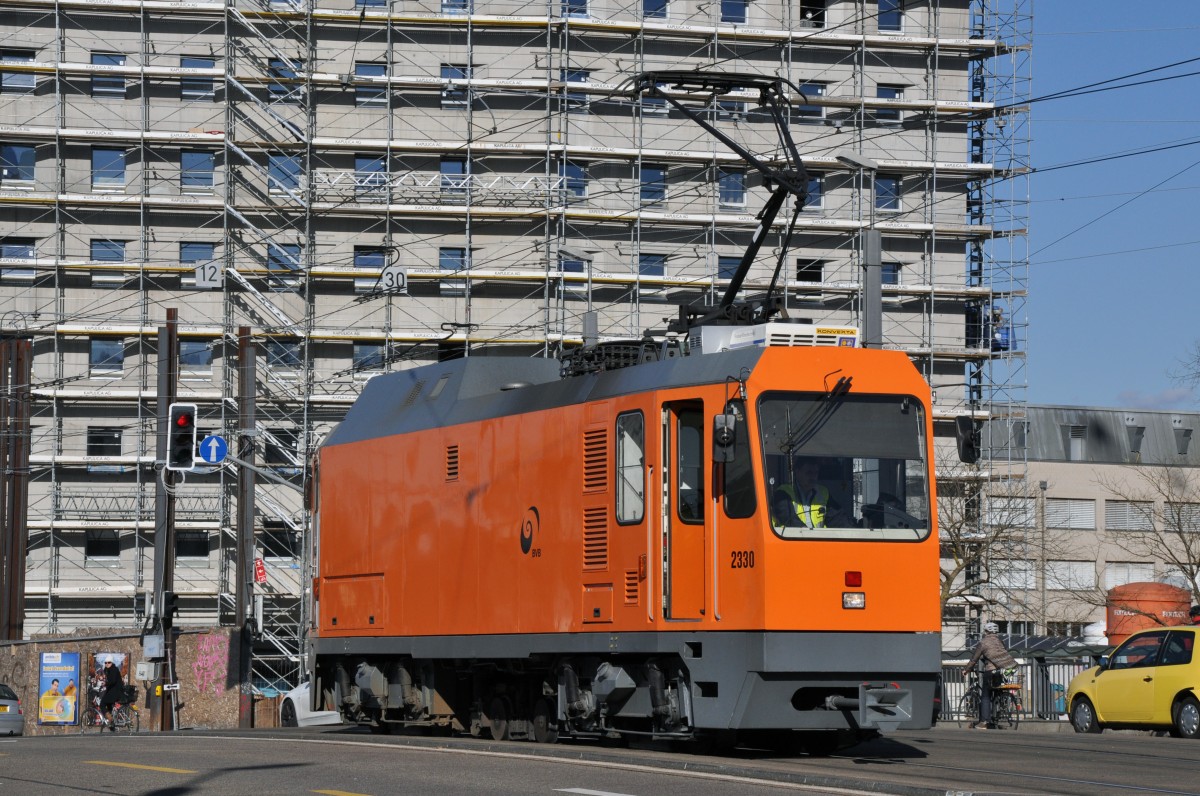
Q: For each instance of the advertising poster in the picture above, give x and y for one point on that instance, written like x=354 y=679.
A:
x=96 y=673
x=58 y=688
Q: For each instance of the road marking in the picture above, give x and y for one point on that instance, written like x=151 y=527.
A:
x=586 y=792
x=141 y=767
x=339 y=793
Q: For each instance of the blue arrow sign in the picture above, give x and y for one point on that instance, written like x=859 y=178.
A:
x=213 y=449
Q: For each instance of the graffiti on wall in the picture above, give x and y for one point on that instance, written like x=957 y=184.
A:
x=211 y=669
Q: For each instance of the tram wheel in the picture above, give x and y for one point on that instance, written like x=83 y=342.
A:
x=545 y=723
x=497 y=717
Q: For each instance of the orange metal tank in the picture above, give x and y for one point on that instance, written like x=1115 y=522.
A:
x=1137 y=606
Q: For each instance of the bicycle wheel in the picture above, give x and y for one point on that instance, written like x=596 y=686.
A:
x=125 y=720
x=1008 y=707
x=91 y=721
x=968 y=709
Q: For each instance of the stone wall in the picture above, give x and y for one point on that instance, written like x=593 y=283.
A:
x=207 y=666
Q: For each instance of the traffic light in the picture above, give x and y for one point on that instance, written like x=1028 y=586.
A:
x=966 y=432
x=181 y=437
x=170 y=605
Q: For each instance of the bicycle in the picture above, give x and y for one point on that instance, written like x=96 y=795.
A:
x=125 y=716
x=1006 y=704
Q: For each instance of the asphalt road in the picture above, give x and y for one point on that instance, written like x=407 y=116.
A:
x=345 y=762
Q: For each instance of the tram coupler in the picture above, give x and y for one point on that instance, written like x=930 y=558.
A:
x=878 y=707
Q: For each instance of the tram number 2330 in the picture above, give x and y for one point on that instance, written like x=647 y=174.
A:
x=741 y=559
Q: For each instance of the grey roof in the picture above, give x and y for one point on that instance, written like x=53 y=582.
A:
x=472 y=389
x=1110 y=436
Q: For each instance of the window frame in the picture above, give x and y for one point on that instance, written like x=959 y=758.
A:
x=9 y=248
x=106 y=177
x=455 y=97
x=195 y=178
x=284 y=263
x=110 y=365
x=654 y=190
x=106 y=84
x=730 y=9
x=891 y=200
x=629 y=505
x=17 y=82
x=18 y=164
x=197 y=87
x=731 y=187
x=371 y=94
x=890 y=16
x=365 y=258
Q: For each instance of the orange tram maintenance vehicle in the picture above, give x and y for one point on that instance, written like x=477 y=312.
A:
x=508 y=547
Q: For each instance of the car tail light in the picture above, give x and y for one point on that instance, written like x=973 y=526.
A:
x=853 y=579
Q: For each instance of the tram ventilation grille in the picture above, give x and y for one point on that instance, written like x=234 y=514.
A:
x=595 y=538
x=595 y=460
x=451 y=462
x=631 y=587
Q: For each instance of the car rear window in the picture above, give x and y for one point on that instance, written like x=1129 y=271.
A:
x=6 y=692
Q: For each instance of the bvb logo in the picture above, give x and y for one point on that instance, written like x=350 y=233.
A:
x=529 y=525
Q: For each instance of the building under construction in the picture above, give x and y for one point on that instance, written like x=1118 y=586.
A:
x=327 y=189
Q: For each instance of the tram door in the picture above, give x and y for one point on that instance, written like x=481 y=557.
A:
x=683 y=510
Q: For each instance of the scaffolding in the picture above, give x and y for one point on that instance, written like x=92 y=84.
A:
x=372 y=184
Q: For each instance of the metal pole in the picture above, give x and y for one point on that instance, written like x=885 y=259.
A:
x=245 y=516
x=164 y=510
x=19 y=464
x=7 y=530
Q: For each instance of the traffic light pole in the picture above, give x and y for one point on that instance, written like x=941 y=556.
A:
x=245 y=517
x=164 y=514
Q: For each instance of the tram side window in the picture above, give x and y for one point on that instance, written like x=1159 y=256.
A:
x=689 y=434
x=631 y=478
x=739 y=475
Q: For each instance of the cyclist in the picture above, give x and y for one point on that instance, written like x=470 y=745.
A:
x=114 y=690
x=995 y=658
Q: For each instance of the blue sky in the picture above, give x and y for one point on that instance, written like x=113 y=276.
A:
x=1112 y=307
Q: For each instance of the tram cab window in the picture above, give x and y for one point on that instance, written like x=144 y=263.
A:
x=738 y=474
x=851 y=466
x=631 y=470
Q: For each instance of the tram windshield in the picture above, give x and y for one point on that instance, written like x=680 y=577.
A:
x=845 y=466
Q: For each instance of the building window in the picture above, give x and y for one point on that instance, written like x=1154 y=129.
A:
x=1070 y=575
x=370 y=3
x=283 y=354
x=1118 y=573
x=283 y=265
x=654 y=183
x=887 y=193
x=107 y=251
x=108 y=168
x=373 y=93
x=279 y=542
x=652 y=265
x=727 y=267
x=1012 y=574
x=15 y=250
x=816 y=192
x=103 y=441
x=101 y=548
x=1128 y=515
x=368 y=356
x=1017 y=627
x=195 y=254
x=191 y=548
x=891 y=16
x=734 y=11
x=455 y=94
x=456 y=6
x=812 y=13
x=889 y=273
x=731 y=191
x=810 y=113
x=196 y=87
x=106 y=356
x=370 y=177
x=17 y=82
x=888 y=93
x=654 y=9
x=369 y=258
x=17 y=163
x=284 y=87
x=574 y=180
x=731 y=110
x=281 y=449
x=452 y=259
x=574 y=8
x=1067 y=629
x=107 y=84
x=196 y=170
x=195 y=357
x=283 y=173
x=576 y=101
x=455 y=175
x=1071 y=514
x=810 y=271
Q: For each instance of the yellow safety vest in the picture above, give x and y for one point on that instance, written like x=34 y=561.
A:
x=812 y=512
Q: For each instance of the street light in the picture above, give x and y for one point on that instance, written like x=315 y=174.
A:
x=871 y=248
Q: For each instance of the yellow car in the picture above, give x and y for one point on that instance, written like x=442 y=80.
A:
x=1148 y=682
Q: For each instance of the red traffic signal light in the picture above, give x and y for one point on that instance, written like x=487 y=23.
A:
x=181 y=437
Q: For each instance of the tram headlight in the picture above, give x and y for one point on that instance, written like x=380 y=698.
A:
x=854 y=599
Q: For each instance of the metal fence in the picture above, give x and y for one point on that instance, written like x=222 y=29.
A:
x=1043 y=686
